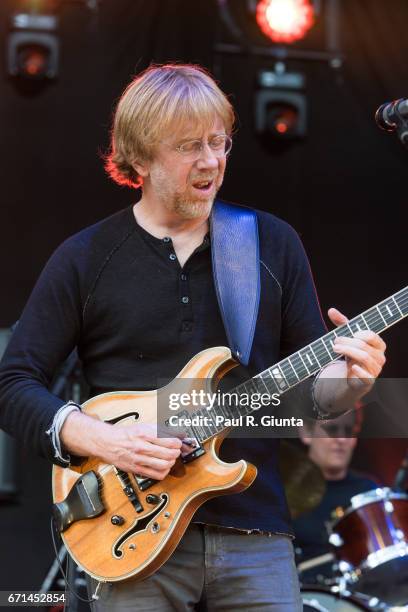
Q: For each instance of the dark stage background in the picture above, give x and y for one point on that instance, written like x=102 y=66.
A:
x=343 y=187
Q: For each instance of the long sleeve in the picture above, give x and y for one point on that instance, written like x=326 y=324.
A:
x=45 y=335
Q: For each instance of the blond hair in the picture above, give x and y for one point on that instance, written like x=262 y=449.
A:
x=159 y=101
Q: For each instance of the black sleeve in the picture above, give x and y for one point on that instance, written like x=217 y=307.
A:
x=46 y=333
x=302 y=320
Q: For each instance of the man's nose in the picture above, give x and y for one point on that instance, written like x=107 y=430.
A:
x=207 y=158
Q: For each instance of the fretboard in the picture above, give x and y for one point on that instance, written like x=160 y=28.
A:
x=299 y=366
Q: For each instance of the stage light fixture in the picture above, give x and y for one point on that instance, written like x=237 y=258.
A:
x=285 y=21
x=280 y=105
x=33 y=47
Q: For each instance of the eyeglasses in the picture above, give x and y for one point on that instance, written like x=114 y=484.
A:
x=340 y=431
x=191 y=150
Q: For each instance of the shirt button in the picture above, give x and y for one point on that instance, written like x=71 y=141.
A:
x=166 y=239
x=185 y=299
x=172 y=256
x=183 y=277
x=187 y=326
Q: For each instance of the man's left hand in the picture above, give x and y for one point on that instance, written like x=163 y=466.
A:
x=364 y=353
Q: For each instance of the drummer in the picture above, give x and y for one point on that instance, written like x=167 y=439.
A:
x=331 y=445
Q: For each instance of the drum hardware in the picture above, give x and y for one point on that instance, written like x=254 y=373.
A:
x=334 y=599
x=315 y=562
x=336 y=540
x=370 y=542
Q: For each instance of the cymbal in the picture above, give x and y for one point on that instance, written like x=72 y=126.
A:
x=303 y=481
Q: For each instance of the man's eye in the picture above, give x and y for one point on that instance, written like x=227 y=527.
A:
x=218 y=142
x=189 y=147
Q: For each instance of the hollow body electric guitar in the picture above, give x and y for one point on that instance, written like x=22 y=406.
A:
x=118 y=525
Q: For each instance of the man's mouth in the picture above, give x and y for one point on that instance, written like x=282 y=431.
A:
x=204 y=186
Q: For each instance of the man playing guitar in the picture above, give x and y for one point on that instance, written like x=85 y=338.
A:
x=135 y=294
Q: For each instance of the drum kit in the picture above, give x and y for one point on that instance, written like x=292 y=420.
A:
x=368 y=541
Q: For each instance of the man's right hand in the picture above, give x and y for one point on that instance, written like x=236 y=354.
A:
x=135 y=448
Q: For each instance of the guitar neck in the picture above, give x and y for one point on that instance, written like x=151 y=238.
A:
x=306 y=362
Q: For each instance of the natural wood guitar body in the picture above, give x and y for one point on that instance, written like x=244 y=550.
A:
x=110 y=552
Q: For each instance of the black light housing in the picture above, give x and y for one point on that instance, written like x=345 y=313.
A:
x=33 y=46
x=280 y=104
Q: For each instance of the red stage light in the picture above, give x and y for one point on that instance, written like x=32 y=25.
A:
x=285 y=21
x=33 y=61
x=282 y=127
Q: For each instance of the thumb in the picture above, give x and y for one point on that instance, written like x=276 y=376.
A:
x=337 y=317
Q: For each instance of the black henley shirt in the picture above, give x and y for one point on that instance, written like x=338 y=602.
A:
x=120 y=295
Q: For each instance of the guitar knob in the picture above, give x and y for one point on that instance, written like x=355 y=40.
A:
x=153 y=499
x=116 y=519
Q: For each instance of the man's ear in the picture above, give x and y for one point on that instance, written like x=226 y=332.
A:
x=142 y=168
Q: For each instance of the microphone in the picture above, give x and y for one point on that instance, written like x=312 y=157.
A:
x=401 y=475
x=392 y=115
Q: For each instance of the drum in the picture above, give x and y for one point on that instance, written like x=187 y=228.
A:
x=371 y=545
x=320 y=599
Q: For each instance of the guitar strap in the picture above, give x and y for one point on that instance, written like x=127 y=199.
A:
x=235 y=262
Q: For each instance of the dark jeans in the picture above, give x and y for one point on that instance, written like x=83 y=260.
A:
x=214 y=570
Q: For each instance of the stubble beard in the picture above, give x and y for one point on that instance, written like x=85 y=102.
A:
x=182 y=202
x=191 y=208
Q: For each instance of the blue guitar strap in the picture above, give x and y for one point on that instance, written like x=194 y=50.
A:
x=235 y=262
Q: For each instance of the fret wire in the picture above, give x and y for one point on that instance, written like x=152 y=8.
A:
x=322 y=355
x=388 y=308
x=232 y=403
x=289 y=372
x=191 y=433
x=290 y=363
x=373 y=325
x=342 y=332
x=396 y=303
x=199 y=427
x=194 y=434
x=225 y=411
x=280 y=377
x=230 y=407
x=325 y=347
x=308 y=357
x=241 y=407
x=296 y=367
x=402 y=302
x=314 y=354
x=263 y=382
x=272 y=379
x=365 y=320
x=281 y=371
x=303 y=361
x=378 y=310
x=330 y=347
